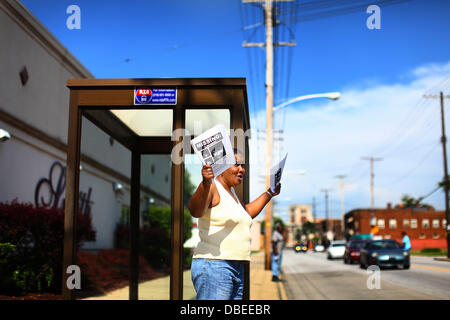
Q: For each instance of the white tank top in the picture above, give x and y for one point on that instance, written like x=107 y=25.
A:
x=224 y=230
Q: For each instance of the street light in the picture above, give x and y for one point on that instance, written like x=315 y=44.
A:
x=4 y=135
x=329 y=95
x=269 y=131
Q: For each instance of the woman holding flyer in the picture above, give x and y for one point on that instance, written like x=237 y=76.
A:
x=217 y=269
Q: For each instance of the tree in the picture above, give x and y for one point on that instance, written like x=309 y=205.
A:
x=308 y=227
x=442 y=183
x=277 y=220
x=189 y=188
x=411 y=202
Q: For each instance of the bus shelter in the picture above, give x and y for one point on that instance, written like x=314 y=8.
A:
x=167 y=104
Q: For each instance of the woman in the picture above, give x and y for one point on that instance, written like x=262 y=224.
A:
x=217 y=269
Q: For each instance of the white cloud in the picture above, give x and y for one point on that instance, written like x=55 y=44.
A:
x=391 y=121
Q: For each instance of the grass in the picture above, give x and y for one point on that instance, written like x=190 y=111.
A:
x=429 y=252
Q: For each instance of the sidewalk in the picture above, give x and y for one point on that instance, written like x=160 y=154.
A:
x=261 y=286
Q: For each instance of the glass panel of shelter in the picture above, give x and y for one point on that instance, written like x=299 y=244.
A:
x=155 y=223
x=104 y=205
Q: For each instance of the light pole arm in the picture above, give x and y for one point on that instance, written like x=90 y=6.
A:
x=330 y=95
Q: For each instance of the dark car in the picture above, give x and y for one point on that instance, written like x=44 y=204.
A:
x=384 y=253
x=301 y=247
x=352 y=250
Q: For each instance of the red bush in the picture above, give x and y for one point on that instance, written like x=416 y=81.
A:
x=38 y=234
x=109 y=270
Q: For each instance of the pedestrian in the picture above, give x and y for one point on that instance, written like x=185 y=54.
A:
x=405 y=241
x=218 y=261
x=277 y=250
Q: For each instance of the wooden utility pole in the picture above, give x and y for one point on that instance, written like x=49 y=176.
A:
x=444 y=152
x=326 y=208
x=372 y=196
x=341 y=193
x=269 y=45
x=269 y=126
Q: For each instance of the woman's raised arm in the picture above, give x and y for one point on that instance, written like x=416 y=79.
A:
x=202 y=197
x=256 y=206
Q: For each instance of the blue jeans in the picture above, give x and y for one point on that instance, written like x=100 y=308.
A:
x=276 y=264
x=216 y=279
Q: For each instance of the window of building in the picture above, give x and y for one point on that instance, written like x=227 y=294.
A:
x=422 y=236
x=444 y=223
x=406 y=223
x=356 y=224
x=303 y=211
x=435 y=235
x=435 y=223
x=425 y=223
x=380 y=223
x=392 y=224
x=414 y=223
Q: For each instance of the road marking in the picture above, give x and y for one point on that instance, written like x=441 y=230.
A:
x=431 y=268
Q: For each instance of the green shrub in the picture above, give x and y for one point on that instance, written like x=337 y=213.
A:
x=154 y=237
x=8 y=263
x=431 y=250
x=31 y=254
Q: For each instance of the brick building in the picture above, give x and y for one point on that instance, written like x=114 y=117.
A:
x=334 y=225
x=425 y=227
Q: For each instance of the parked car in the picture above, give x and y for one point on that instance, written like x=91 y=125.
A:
x=352 y=250
x=384 y=253
x=319 y=248
x=336 y=249
x=301 y=247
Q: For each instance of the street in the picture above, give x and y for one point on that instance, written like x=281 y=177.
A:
x=311 y=276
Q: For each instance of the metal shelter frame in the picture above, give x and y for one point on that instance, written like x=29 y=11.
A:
x=94 y=98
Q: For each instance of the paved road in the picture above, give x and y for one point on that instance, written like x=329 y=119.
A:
x=311 y=276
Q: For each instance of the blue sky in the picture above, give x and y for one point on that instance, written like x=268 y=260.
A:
x=382 y=75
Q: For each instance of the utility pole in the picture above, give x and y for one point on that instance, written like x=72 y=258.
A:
x=314 y=209
x=444 y=152
x=372 y=200
x=269 y=45
x=341 y=193
x=326 y=208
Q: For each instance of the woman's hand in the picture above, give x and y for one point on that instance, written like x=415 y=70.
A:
x=207 y=174
x=277 y=190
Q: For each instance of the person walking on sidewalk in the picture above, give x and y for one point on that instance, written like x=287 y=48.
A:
x=405 y=241
x=217 y=269
x=277 y=250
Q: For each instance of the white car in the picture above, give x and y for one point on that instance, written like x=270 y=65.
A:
x=336 y=250
x=319 y=248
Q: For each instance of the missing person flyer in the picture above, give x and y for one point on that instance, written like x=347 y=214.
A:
x=275 y=173
x=213 y=147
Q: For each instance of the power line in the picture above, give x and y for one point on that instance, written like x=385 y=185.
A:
x=427 y=155
x=430 y=193
x=343 y=11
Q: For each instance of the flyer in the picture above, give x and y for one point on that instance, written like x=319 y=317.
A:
x=213 y=147
x=276 y=172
